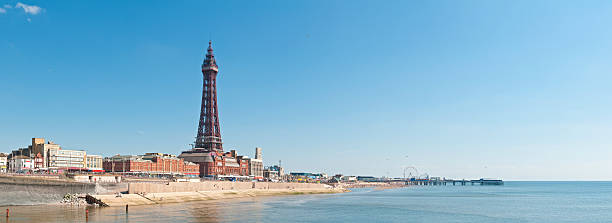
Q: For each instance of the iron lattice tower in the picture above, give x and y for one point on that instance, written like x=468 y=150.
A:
x=209 y=132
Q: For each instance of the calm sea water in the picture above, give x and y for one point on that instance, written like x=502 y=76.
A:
x=513 y=202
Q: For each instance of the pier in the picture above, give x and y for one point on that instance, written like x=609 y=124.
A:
x=434 y=181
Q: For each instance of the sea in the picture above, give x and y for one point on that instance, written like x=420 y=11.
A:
x=513 y=202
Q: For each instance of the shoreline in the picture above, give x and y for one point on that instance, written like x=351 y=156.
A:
x=182 y=197
x=148 y=193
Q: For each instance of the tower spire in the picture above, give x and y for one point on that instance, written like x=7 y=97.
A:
x=209 y=61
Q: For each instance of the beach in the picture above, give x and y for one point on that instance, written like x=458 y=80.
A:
x=37 y=190
x=181 y=197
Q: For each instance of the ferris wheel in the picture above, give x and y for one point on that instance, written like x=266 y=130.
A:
x=412 y=172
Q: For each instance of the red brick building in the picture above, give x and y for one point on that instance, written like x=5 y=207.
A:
x=217 y=164
x=151 y=163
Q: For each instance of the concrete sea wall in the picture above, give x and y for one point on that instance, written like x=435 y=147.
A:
x=136 y=188
x=32 y=191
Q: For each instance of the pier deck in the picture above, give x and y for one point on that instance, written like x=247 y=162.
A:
x=444 y=182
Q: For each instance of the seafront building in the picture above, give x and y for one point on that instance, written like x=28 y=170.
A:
x=94 y=163
x=50 y=157
x=151 y=164
x=274 y=173
x=20 y=152
x=349 y=179
x=58 y=158
x=20 y=164
x=3 y=163
x=256 y=165
x=39 y=146
x=271 y=175
x=218 y=165
x=307 y=177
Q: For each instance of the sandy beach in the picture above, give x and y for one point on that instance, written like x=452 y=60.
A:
x=178 y=197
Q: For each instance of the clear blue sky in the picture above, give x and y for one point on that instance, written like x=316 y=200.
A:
x=464 y=89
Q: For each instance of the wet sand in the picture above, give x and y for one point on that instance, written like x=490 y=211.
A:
x=180 y=197
x=222 y=210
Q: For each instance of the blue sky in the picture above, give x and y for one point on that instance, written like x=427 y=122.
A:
x=463 y=89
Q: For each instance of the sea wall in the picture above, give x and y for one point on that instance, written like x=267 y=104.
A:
x=37 y=190
x=97 y=178
x=135 y=188
x=38 y=180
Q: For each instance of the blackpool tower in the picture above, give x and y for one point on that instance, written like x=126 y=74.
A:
x=209 y=133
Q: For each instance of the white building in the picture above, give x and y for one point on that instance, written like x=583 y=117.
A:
x=349 y=178
x=94 y=163
x=3 y=163
x=20 y=164
x=67 y=159
x=256 y=168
